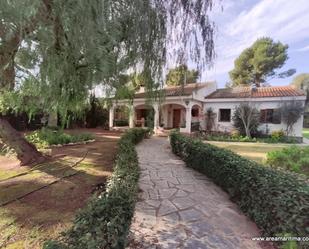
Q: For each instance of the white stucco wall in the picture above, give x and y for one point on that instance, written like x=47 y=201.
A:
x=198 y=98
x=209 y=88
x=270 y=103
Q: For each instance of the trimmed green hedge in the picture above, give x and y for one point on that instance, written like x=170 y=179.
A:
x=277 y=201
x=105 y=221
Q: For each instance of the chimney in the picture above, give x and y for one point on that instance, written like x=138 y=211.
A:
x=253 y=87
x=141 y=89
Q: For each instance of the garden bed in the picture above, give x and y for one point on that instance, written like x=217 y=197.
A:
x=46 y=138
x=272 y=139
x=276 y=200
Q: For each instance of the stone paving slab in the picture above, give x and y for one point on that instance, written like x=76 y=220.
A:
x=181 y=208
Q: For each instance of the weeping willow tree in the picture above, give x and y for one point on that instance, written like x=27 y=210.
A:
x=54 y=52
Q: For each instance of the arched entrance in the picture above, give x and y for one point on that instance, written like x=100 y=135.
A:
x=121 y=116
x=173 y=116
x=144 y=116
x=196 y=117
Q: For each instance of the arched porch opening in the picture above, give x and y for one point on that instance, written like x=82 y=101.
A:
x=121 y=116
x=172 y=116
x=144 y=116
x=196 y=117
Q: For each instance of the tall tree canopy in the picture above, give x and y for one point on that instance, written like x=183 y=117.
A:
x=258 y=63
x=181 y=75
x=301 y=81
x=128 y=84
x=52 y=52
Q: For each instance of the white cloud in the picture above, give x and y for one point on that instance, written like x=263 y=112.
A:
x=286 y=21
x=306 y=48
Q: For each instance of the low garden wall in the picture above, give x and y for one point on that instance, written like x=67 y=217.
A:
x=105 y=221
x=277 y=201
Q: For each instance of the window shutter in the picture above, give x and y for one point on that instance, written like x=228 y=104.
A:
x=277 y=116
x=269 y=115
x=263 y=114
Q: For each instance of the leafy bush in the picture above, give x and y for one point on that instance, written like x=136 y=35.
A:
x=105 y=221
x=235 y=134
x=274 y=140
x=230 y=138
x=294 y=158
x=277 y=201
x=121 y=123
x=45 y=137
x=235 y=137
x=277 y=134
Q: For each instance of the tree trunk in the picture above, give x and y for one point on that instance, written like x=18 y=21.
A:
x=26 y=152
x=248 y=134
x=53 y=119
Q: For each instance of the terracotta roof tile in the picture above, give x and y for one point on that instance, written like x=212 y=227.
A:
x=260 y=92
x=170 y=91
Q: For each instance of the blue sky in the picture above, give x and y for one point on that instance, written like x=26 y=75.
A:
x=243 y=21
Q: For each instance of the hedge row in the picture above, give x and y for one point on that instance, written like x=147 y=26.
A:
x=105 y=221
x=277 y=201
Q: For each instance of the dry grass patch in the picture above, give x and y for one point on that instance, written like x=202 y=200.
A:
x=254 y=151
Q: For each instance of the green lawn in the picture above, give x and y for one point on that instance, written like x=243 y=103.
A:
x=253 y=151
x=306 y=133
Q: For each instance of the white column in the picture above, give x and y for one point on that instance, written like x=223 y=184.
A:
x=156 y=117
x=188 y=119
x=165 y=116
x=111 y=117
x=131 y=116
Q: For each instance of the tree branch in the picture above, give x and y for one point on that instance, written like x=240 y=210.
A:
x=10 y=47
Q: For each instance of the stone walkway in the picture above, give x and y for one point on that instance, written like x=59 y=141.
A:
x=181 y=208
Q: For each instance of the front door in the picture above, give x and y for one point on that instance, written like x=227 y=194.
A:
x=176 y=118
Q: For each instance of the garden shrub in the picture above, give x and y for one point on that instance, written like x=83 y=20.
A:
x=105 y=221
x=277 y=201
x=45 y=137
x=294 y=158
x=121 y=123
x=277 y=135
x=235 y=137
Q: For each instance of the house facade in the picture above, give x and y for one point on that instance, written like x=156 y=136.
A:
x=184 y=107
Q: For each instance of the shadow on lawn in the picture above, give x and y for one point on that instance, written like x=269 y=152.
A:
x=45 y=213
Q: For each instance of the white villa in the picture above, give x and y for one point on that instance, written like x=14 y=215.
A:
x=184 y=107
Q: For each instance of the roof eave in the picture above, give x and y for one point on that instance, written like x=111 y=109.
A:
x=257 y=99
